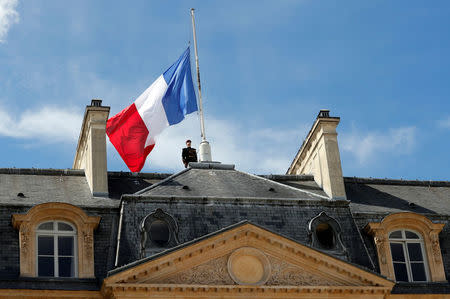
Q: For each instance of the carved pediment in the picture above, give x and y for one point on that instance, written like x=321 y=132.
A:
x=245 y=257
x=217 y=272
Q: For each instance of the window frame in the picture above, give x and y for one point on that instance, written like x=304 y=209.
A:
x=27 y=225
x=55 y=233
x=416 y=223
x=404 y=241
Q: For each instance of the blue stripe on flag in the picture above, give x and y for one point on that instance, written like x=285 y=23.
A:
x=180 y=98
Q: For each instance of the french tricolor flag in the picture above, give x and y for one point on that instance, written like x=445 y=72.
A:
x=164 y=103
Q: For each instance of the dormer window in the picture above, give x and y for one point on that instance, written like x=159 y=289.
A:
x=158 y=230
x=325 y=233
x=408 y=247
x=407 y=256
x=56 y=249
x=56 y=240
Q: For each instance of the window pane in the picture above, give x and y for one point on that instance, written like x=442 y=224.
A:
x=415 y=252
x=159 y=232
x=418 y=272
x=400 y=272
x=46 y=226
x=396 y=235
x=65 y=245
x=397 y=252
x=46 y=266
x=411 y=235
x=66 y=267
x=64 y=227
x=45 y=245
x=325 y=236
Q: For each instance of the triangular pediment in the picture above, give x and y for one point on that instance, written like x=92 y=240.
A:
x=246 y=256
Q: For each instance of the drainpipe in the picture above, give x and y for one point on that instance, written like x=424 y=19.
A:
x=119 y=232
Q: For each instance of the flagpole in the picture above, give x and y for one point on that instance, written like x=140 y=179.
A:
x=204 y=148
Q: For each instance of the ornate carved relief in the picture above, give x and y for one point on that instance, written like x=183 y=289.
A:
x=249 y=266
x=284 y=273
x=436 y=247
x=211 y=273
x=380 y=242
x=200 y=270
x=88 y=243
x=27 y=223
x=25 y=237
x=217 y=272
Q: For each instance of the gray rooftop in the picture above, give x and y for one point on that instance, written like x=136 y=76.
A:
x=223 y=181
x=29 y=187
x=391 y=196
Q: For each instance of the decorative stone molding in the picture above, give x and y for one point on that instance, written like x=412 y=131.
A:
x=284 y=273
x=213 y=272
x=202 y=270
x=338 y=248
x=47 y=294
x=419 y=223
x=145 y=226
x=85 y=225
x=249 y=266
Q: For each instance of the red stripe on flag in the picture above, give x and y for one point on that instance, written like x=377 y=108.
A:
x=128 y=133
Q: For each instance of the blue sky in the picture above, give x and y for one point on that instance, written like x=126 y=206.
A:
x=267 y=68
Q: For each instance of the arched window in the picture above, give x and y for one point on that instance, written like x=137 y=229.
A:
x=325 y=233
x=56 y=249
x=407 y=230
x=408 y=242
x=408 y=258
x=158 y=230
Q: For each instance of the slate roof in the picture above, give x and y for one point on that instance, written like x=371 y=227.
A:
x=48 y=185
x=222 y=230
x=223 y=181
x=304 y=182
x=120 y=183
x=392 y=196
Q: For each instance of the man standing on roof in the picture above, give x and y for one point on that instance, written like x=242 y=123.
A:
x=189 y=154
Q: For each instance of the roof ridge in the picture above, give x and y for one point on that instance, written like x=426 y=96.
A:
x=286 y=186
x=162 y=181
x=42 y=171
x=287 y=177
x=386 y=181
x=145 y=175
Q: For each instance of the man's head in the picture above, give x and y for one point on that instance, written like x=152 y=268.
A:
x=188 y=143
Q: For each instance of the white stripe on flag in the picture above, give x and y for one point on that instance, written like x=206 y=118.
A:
x=150 y=108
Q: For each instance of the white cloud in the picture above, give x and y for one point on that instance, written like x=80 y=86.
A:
x=367 y=147
x=264 y=150
x=8 y=17
x=48 y=124
x=444 y=123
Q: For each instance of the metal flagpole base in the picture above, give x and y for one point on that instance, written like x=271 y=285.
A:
x=204 y=151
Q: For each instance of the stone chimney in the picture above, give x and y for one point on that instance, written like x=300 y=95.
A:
x=319 y=156
x=91 y=149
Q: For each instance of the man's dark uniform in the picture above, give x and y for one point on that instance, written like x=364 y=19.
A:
x=189 y=154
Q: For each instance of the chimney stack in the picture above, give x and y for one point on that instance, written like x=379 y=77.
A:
x=319 y=156
x=91 y=148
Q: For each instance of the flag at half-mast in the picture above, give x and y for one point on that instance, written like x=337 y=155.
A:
x=166 y=102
